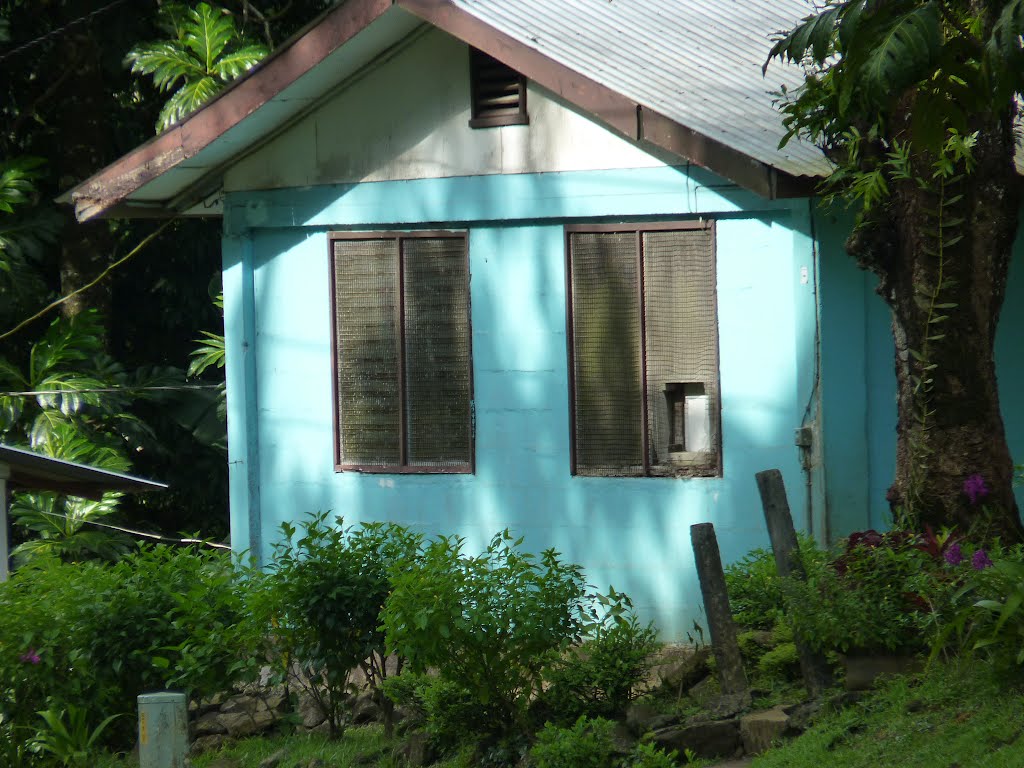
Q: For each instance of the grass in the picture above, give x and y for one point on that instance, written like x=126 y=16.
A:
x=363 y=746
x=959 y=715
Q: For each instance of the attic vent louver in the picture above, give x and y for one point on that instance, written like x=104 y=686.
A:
x=498 y=92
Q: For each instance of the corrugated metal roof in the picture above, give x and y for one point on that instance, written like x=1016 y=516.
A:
x=34 y=471
x=693 y=65
x=698 y=62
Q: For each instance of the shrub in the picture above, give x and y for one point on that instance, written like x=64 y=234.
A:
x=755 y=588
x=646 y=755
x=487 y=623
x=323 y=594
x=589 y=743
x=600 y=677
x=90 y=637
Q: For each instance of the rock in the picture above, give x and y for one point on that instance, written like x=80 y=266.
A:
x=365 y=710
x=207 y=743
x=704 y=691
x=680 y=667
x=225 y=762
x=239 y=724
x=759 y=730
x=310 y=711
x=803 y=715
x=274 y=760
x=208 y=725
x=728 y=705
x=718 y=738
x=242 y=703
x=641 y=717
x=417 y=750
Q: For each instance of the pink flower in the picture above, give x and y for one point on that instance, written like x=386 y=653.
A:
x=31 y=657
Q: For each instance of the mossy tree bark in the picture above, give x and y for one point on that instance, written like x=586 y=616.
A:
x=945 y=294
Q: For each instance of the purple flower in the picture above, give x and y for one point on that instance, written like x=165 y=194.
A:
x=981 y=560
x=31 y=657
x=975 y=488
x=953 y=555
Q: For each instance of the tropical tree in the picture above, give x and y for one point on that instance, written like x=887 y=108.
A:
x=205 y=53
x=71 y=401
x=914 y=103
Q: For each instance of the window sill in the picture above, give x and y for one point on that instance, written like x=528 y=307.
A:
x=462 y=469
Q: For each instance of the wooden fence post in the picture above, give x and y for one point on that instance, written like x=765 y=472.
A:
x=816 y=672
x=731 y=676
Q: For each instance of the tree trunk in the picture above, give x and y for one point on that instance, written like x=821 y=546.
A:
x=946 y=294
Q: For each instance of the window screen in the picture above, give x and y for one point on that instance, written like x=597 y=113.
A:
x=402 y=351
x=644 y=346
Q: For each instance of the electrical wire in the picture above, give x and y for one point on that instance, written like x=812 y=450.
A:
x=109 y=390
x=54 y=33
x=157 y=536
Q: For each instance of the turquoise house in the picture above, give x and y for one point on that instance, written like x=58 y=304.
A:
x=537 y=265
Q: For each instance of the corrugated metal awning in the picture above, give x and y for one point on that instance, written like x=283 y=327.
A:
x=29 y=471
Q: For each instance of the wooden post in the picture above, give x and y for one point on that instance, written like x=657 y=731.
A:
x=816 y=672
x=716 y=606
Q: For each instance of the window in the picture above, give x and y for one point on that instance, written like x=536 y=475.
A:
x=643 y=350
x=403 y=385
x=497 y=92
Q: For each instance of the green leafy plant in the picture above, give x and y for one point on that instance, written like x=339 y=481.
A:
x=324 y=591
x=489 y=622
x=755 y=588
x=602 y=676
x=588 y=743
x=205 y=52
x=69 y=736
x=93 y=635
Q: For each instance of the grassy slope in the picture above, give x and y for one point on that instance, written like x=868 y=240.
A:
x=955 y=717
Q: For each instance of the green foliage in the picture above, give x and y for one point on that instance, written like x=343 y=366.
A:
x=781 y=661
x=589 y=743
x=487 y=623
x=450 y=714
x=91 y=636
x=206 y=51
x=600 y=677
x=324 y=592
x=72 y=742
x=988 y=614
x=864 y=605
x=754 y=586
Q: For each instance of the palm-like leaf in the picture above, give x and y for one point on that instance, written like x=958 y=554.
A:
x=186 y=100
x=166 y=63
x=207 y=51
x=210 y=353
x=209 y=33
x=905 y=51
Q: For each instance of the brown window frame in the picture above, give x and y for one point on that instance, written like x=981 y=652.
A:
x=649 y=469
x=403 y=467
x=477 y=58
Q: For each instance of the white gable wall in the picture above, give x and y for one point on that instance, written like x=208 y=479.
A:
x=407 y=118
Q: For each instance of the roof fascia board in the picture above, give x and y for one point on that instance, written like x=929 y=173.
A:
x=620 y=113
x=100 y=193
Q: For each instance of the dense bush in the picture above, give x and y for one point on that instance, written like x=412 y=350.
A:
x=92 y=636
x=589 y=743
x=755 y=587
x=322 y=597
x=602 y=676
x=487 y=623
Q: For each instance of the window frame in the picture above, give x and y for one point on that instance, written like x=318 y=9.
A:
x=403 y=468
x=638 y=228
